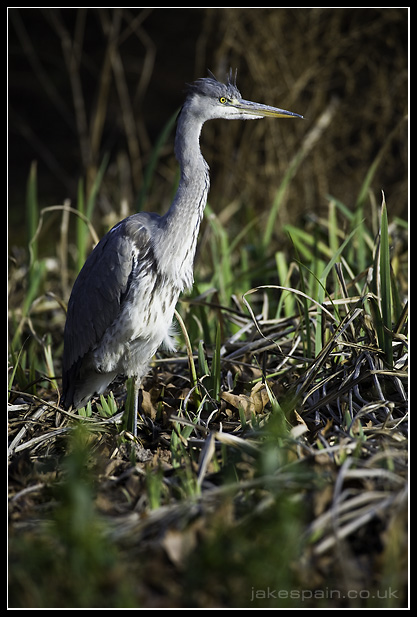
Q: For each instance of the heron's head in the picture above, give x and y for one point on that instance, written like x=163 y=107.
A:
x=208 y=99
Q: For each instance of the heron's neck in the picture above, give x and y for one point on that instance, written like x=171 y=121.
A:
x=191 y=196
x=182 y=222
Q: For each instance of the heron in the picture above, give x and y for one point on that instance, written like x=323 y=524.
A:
x=122 y=304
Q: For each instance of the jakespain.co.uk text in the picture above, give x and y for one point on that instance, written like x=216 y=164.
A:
x=322 y=594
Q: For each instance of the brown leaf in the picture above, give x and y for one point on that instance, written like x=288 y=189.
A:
x=147 y=406
x=179 y=544
x=259 y=396
x=240 y=401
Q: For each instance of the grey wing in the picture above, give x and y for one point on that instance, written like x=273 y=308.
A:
x=99 y=290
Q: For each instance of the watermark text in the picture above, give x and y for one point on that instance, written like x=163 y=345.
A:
x=327 y=593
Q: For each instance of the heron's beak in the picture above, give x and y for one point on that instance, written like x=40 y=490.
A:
x=257 y=109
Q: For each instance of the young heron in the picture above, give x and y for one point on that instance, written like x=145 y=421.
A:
x=123 y=301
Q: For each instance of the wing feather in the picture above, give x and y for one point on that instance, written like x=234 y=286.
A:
x=99 y=290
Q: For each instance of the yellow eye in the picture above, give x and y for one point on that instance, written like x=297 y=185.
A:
x=222 y=100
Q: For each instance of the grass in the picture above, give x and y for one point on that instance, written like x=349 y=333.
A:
x=270 y=469
x=271 y=463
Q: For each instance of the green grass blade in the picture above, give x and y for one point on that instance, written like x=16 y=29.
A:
x=15 y=365
x=128 y=417
x=216 y=365
x=203 y=368
x=309 y=141
x=92 y=196
x=87 y=208
x=279 y=197
x=35 y=278
x=49 y=363
x=32 y=213
x=287 y=299
x=191 y=363
x=81 y=227
x=385 y=284
x=153 y=161
x=306 y=331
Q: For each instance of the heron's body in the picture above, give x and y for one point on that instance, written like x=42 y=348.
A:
x=121 y=320
x=123 y=301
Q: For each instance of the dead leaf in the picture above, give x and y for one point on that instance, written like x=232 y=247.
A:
x=240 y=401
x=299 y=419
x=260 y=396
x=147 y=406
x=179 y=544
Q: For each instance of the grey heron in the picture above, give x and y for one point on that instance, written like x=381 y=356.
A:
x=122 y=304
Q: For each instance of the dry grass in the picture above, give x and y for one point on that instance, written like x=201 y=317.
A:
x=332 y=472
x=260 y=464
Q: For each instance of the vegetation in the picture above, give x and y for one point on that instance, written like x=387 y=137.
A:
x=270 y=468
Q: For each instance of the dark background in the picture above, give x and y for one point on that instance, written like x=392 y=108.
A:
x=88 y=81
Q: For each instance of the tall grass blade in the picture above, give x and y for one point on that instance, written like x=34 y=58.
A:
x=385 y=284
x=49 y=363
x=191 y=363
x=81 y=227
x=35 y=278
x=32 y=213
x=15 y=365
x=128 y=417
x=153 y=161
x=86 y=208
x=286 y=300
x=92 y=196
x=221 y=249
x=279 y=198
x=203 y=368
x=216 y=365
x=381 y=303
x=309 y=141
x=363 y=194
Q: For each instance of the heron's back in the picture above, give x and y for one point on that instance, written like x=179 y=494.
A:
x=119 y=312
